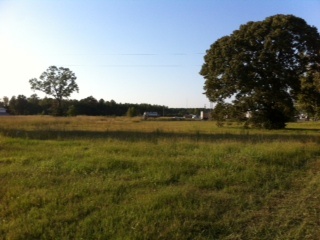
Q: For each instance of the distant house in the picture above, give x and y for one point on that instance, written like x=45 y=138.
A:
x=3 y=112
x=204 y=115
x=147 y=115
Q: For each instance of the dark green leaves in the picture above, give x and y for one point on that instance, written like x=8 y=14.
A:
x=260 y=66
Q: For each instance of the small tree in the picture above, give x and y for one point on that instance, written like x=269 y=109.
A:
x=5 y=102
x=131 y=112
x=57 y=82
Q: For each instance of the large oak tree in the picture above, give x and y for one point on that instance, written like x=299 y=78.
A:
x=57 y=82
x=261 y=68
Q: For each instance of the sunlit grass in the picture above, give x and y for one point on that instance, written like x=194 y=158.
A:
x=124 y=178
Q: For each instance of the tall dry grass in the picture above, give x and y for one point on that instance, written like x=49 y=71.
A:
x=124 y=178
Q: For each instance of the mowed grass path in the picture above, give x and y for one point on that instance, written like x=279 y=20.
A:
x=122 y=178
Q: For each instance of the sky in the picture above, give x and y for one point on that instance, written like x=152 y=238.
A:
x=129 y=51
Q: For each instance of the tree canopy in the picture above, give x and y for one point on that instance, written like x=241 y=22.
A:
x=262 y=69
x=57 y=82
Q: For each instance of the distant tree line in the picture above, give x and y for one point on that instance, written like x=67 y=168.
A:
x=90 y=106
x=58 y=83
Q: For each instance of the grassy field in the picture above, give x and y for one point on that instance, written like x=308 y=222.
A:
x=124 y=178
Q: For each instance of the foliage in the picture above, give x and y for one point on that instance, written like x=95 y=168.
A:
x=89 y=106
x=116 y=178
x=309 y=97
x=132 y=112
x=225 y=111
x=4 y=102
x=57 y=82
x=72 y=111
x=260 y=68
x=19 y=105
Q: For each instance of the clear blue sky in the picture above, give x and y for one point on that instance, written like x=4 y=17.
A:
x=131 y=51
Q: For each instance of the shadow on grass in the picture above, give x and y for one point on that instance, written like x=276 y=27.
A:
x=315 y=130
x=133 y=136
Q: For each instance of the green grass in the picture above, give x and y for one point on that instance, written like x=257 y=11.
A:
x=122 y=178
